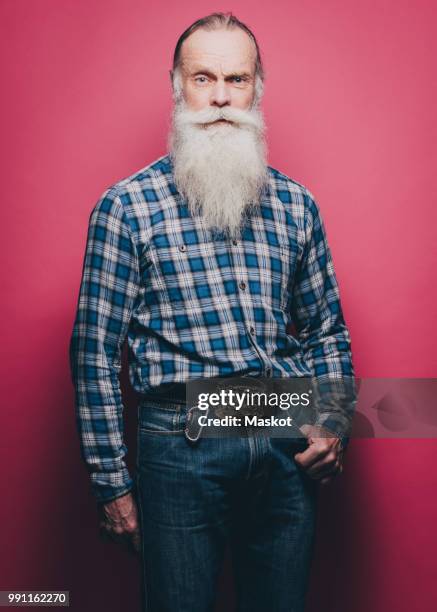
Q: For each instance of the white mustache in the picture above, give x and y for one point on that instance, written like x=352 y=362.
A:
x=246 y=119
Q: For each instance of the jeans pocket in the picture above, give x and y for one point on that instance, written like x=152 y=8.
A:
x=160 y=419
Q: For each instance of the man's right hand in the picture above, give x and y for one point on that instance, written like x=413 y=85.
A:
x=119 y=521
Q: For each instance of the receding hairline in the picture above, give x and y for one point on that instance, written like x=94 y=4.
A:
x=215 y=22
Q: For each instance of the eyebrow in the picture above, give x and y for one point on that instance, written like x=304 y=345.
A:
x=227 y=76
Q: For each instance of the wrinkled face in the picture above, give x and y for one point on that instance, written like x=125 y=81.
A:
x=218 y=69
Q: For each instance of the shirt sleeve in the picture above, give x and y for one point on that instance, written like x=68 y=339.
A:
x=324 y=336
x=108 y=290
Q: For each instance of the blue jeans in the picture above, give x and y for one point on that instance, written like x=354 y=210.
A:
x=195 y=497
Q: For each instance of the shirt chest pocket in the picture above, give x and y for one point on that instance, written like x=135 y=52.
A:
x=182 y=270
x=270 y=272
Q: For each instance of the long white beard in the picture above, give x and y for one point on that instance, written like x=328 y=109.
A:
x=220 y=169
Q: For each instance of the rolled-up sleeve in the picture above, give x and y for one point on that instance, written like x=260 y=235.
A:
x=108 y=291
x=323 y=334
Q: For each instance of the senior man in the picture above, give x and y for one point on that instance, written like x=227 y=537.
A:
x=203 y=259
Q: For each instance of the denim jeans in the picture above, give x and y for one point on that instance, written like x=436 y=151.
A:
x=193 y=498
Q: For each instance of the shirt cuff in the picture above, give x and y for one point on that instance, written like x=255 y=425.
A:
x=336 y=426
x=107 y=486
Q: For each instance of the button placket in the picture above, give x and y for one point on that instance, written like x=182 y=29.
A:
x=238 y=262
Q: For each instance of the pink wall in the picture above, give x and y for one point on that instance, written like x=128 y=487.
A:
x=350 y=101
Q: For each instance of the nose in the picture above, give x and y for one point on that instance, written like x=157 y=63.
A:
x=220 y=95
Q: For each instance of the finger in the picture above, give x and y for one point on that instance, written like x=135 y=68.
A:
x=327 y=480
x=131 y=541
x=330 y=474
x=330 y=477
x=126 y=537
x=311 y=455
x=111 y=532
x=326 y=465
x=133 y=536
x=123 y=539
x=136 y=541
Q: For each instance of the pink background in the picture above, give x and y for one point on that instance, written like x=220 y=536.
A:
x=350 y=101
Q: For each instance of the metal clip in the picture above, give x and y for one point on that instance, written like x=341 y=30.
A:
x=193 y=429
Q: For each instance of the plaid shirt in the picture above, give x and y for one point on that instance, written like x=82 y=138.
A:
x=193 y=303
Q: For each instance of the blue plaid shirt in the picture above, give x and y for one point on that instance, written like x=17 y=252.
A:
x=193 y=303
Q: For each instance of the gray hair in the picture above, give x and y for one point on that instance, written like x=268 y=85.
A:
x=216 y=21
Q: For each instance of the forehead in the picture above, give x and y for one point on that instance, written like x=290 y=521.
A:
x=221 y=50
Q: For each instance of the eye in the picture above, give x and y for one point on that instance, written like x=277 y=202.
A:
x=200 y=79
x=239 y=80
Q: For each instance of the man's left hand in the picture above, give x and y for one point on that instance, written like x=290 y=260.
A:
x=323 y=459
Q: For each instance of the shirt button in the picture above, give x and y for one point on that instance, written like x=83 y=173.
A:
x=242 y=285
x=234 y=242
x=182 y=247
x=269 y=372
x=251 y=330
